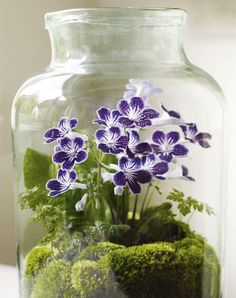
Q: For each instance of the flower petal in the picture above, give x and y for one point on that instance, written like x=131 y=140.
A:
x=143 y=123
x=80 y=205
x=81 y=156
x=114 y=132
x=104 y=114
x=158 y=137
x=149 y=114
x=123 y=107
x=118 y=190
x=60 y=157
x=180 y=150
x=160 y=168
x=51 y=135
x=123 y=162
x=104 y=148
x=68 y=164
x=99 y=122
x=78 y=143
x=172 y=137
x=143 y=176
x=122 y=142
x=134 y=187
x=115 y=115
x=73 y=123
x=101 y=135
x=66 y=144
x=137 y=104
x=72 y=176
x=126 y=122
x=143 y=148
x=119 y=179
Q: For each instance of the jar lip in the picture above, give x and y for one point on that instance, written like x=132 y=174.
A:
x=118 y=16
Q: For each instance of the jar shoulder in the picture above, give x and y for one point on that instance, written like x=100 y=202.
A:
x=55 y=83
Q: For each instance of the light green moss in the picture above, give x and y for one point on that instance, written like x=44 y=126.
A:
x=181 y=269
x=54 y=281
x=36 y=260
x=95 y=252
x=90 y=279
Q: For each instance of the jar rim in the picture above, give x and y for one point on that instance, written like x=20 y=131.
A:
x=118 y=16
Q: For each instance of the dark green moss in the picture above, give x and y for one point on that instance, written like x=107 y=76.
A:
x=183 y=269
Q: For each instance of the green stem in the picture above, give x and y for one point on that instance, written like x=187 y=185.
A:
x=135 y=208
x=149 y=198
x=99 y=161
x=145 y=199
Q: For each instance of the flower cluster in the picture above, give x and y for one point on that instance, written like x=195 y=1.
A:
x=69 y=150
x=140 y=162
x=120 y=134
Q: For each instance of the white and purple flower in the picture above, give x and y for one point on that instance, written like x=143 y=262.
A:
x=107 y=117
x=111 y=140
x=168 y=117
x=70 y=152
x=140 y=88
x=64 y=182
x=63 y=128
x=131 y=173
x=154 y=165
x=179 y=172
x=191 y=134
x=134 y=113
x=167 y=145
x=135 y=146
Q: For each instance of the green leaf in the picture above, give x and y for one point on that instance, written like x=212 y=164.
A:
x=37 y=168
x=187 y=205
x=34 y=198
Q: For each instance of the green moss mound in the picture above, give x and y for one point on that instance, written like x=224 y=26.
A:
x=89 y=279
x=96 y=251
x=184 y=269
x=54 y=281
x=36 y=260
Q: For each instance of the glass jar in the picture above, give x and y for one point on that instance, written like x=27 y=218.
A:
x=119 y=162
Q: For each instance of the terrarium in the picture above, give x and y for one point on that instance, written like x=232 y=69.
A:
x=119 y=162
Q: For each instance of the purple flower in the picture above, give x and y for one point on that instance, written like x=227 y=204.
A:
x=69 y=152
x=140 y=88
x=134 y=113
x=65 y=181
x=191 y=133
x=131 y=174
x=166 y=145
x=168 y=117
x=154 y=165
x=111 y=140
x=135 y=146
x=185 y=174
x=107 y=117
x=173 y=114
x=63 y=128
x=179 y=172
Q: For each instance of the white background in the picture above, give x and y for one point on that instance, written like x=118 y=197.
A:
x=210 y=43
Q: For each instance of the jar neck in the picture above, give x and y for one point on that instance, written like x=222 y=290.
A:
x=85 y=43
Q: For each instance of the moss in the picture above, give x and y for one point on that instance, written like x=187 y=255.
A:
x=95 y=252
x=54 y=281
x=183 y=269
x=36 y=260
x=90 y=279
